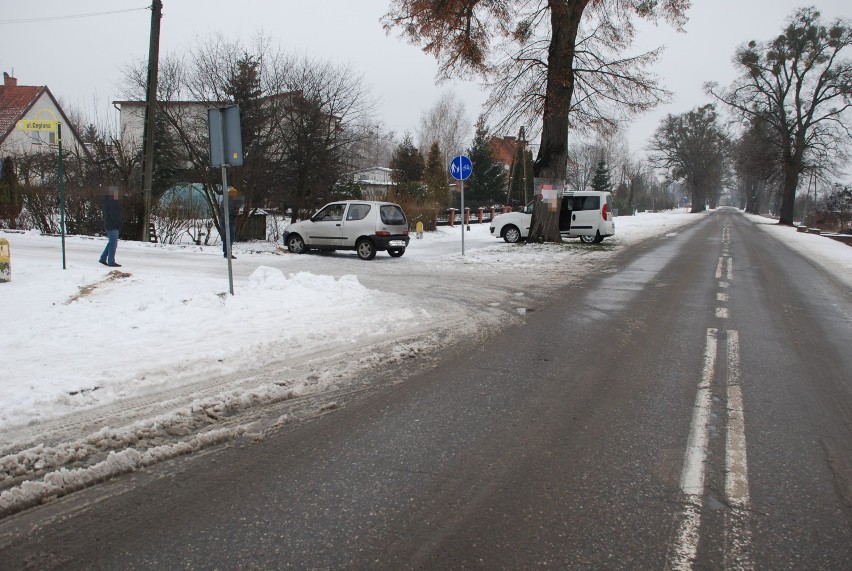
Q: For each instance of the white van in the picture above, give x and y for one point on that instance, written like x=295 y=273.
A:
x=585 y=214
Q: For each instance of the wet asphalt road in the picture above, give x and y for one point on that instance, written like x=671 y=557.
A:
x=690 y=408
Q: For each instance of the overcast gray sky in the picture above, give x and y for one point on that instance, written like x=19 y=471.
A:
x=80 y=58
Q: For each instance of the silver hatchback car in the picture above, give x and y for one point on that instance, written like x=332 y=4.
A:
x=365 y=226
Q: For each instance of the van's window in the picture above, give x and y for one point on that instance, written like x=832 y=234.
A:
x=332 y=212
x=358 y=211
x=392 y=215
x=587 y=203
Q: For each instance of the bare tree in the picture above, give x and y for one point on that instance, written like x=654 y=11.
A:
x=539 y=47
x=300 y=120
x=446 y=123
x=692 y=147
x=322 y=129
x=583 y=158
x=756 y=164
x=801 y=86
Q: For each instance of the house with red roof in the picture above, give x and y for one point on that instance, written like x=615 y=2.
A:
x=19 y=102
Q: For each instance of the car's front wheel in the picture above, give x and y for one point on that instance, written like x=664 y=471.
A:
x=296 y=244
x=396 y=253
x=366 y=249
x=511 y=234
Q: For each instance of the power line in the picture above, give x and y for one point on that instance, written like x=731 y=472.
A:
x=70 y=16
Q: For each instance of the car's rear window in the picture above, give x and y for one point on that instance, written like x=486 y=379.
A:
x=392 y=215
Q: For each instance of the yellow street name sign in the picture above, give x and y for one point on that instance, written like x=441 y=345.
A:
x=36 y=125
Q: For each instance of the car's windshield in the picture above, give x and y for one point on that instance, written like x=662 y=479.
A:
x=528 y=209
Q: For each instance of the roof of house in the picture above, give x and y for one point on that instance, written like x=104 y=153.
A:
x=503 y=149
x=17 y=100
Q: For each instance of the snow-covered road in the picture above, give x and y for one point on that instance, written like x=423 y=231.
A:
x=104 y=372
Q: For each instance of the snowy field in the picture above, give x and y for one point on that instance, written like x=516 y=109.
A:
x=105 y=370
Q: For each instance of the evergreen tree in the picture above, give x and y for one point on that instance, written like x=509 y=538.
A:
x=435 y=177
x=601 y=182
x=11 y=201
x=243 y=86
x=407 y=162
x=487 y=183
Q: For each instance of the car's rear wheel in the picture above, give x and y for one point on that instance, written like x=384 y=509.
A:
x=366 y=249
x=396 y=253
x=511 y=234
x=296 y=244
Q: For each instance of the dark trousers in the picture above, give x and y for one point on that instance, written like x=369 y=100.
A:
x=233 y=232
x=108 y=255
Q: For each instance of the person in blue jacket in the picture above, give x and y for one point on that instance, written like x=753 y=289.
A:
x=112 y=224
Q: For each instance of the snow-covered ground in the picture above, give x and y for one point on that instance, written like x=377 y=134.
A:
x=108 y=370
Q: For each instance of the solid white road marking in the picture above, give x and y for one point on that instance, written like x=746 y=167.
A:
x=737 y=529
x=685 y=545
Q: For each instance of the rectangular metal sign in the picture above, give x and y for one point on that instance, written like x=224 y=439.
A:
x=226 y=143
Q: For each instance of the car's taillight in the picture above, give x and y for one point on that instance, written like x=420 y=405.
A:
x=604 y=210
x=405 y=232
x=383 y=233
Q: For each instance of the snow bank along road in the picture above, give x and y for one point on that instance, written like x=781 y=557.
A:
x=107 y=372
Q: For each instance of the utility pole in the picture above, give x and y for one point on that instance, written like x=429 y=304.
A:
x=150 y=115
x=524 y=160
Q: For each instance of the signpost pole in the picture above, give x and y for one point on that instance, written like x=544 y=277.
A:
x=463 y=226
x=61 y=191
x=226 y=219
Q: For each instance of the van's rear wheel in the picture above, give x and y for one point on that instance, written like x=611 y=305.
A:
x=588 y=239
x=366 y=249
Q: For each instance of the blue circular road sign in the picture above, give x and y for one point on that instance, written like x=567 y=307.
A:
x=461 y=167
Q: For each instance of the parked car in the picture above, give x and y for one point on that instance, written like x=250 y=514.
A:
x=584 y=214
x=362 y=225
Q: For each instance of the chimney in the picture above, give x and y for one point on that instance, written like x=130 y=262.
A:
x=9 y=81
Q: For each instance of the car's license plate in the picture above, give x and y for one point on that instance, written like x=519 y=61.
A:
x=396 y=243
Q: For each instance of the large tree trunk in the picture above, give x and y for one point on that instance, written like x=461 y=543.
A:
x=788 y=197
x=792 y=168
x=552 y=157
